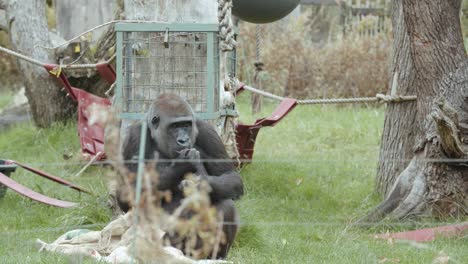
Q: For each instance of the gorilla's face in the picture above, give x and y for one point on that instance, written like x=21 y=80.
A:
x=172 y=125
x=175 y=135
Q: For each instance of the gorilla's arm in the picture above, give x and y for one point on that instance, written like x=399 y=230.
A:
x=226 y=186
x=225 y=181
x=170 y=175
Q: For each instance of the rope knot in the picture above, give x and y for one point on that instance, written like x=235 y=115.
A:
x=259 y=66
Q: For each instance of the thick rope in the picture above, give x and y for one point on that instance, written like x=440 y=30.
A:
x=339 y=100
x=226 y=32
x=379 y=98
x=263 y=93
x=227 y=42
x=257 y=43
x=61 y=66
x=21 y=56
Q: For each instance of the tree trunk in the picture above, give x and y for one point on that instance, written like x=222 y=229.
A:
x=29 y=33
x=74 y=17
x=429 y=61
x=399 y=131
x=202 y=11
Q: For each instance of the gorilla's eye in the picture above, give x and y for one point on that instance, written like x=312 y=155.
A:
x=155 y=120
x=183 y=124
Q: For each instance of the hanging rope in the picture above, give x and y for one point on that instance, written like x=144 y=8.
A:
x=257 y=43
x=227 y=124
x=226 y=28
x=259 y=75
x=379 y=98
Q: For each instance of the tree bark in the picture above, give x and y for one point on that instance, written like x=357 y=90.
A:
x=74 y=17
x=204 y=11
x=29 y=33
x=416 y=170
x=399 y=131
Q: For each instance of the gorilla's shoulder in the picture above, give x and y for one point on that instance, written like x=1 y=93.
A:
x=209 y=140
x=206 y=128
x=132 y=133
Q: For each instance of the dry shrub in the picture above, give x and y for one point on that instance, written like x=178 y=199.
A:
x=196 y=222
x=351 y=66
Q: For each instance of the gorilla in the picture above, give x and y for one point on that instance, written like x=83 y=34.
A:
x=183 y=144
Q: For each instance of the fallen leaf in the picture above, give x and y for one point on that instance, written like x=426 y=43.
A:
x=299 y=181
x=442 y=258
x=388 y=260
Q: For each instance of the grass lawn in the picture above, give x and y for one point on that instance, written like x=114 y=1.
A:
x=312 y=175
x=5 y=97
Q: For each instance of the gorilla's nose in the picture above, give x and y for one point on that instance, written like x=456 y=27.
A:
x=183 y=142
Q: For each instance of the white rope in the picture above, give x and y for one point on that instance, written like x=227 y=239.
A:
x=98 y=27
x=226 y=32
x=62 y=66
x=85 y=66
x=21 y=56
x=339 y=100
x=380 y=98
x=263 y=93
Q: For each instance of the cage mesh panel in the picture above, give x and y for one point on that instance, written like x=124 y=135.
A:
x=150 y=69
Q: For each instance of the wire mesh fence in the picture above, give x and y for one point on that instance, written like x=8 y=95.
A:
x=182 y=63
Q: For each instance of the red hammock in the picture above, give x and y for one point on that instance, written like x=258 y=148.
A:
x=246 y=135
x=25 y=191
x=91 y=136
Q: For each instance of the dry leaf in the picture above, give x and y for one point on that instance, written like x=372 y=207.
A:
x=388 y=260
x=442 y=258
x=299 y=181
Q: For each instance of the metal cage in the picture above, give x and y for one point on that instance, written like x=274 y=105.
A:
x=156 y=58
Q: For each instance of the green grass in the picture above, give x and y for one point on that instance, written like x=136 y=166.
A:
x=23 y=220
x=5 y=98
x=312 y=175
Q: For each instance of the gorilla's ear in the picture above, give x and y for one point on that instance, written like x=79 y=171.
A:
x=155 y=121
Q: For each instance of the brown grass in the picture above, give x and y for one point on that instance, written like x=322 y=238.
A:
x=354 y=65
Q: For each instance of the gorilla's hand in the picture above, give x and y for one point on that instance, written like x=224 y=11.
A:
x=193 y=157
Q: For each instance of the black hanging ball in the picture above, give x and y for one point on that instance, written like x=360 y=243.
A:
x=262 y=11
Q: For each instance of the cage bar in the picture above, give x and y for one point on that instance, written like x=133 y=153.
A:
x=156 y=58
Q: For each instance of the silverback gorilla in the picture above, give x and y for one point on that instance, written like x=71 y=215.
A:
x=184 y=144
